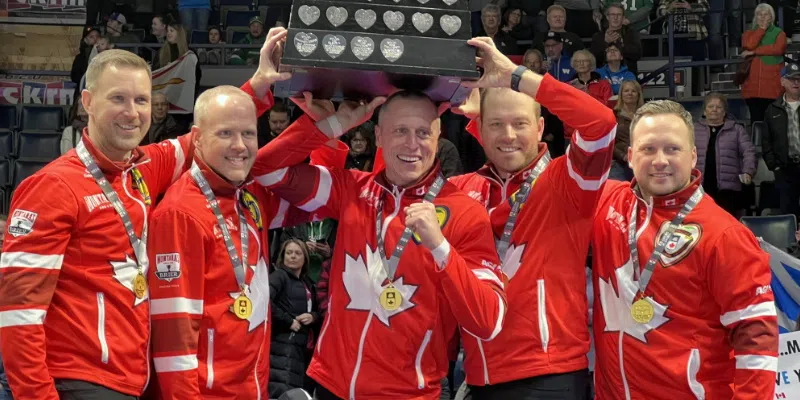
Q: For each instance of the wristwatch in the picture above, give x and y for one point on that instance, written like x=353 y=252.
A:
x=516 y=77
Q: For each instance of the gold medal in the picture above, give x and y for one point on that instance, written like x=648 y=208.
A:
x=642 y=311
x=140 y=286
x=390 y=298
x=242 y=307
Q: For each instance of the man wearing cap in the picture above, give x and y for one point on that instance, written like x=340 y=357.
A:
x=781 y=140
x=560 y=66
x=256 y=36
x=115 y=28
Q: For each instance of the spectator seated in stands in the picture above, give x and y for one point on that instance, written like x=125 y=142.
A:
x=583 y=16
x=533 y=13
x=295 y=318
x=255 y=36
x=534 y=61
x=158 y=30
x=105 y=42
x=637 y=13
x=175 y=46
x=557 y=59
x=766 y=44
x=278 y=118
x=630 y=99
x=490 y=17
x=589 y=81
x=164 y=125
x=209 y=56
x=78 y=120
x=615 y=72
x=626 y=39
x=726 y=155
x=557 y=19
x=81 y=61
x=115 y=27
x=362 y=147
x=516 y=26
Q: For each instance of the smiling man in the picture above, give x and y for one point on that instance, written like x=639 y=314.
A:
x=541 y=212
x=683 y=304
x=75 y=259
x=419 y=264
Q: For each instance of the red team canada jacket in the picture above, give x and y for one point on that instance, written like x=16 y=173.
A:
x=364 y=351
x=546 y=328
x=714 y=333
x=200 y=347
x=67 y=306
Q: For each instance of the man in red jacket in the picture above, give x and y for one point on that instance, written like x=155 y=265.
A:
x=683 y=303
x=74 y=299
x=418 y=260
x=541 y=212
x=209 y=245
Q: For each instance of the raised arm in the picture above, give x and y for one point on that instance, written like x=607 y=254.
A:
x=43 y=214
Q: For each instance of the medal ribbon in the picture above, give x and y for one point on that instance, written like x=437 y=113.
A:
x=139 y=249
x=519 y=201
x=238 y=263
x=390 y=265
x=644 y=279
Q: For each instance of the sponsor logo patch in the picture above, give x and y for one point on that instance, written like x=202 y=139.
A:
x=168 y=266
x=680 y=244
x=21 y=223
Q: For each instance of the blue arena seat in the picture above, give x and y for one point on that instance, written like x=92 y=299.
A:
x=199 y=37
x=5 y=172
x=43 y=118
x=39 y=144
x=8 y=116
x=239 y=18
x=25 y=167
x=777 y=230
x=6 y=143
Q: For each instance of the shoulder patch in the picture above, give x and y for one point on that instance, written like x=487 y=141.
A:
x=168 y=266
x=21 y=223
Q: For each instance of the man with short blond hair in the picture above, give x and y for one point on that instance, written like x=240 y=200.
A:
x=75 y=261
x=661 y=248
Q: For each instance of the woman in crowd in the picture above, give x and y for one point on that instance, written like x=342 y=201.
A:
x=295 y=318
x=175 y=46
x=630 y=99
x=212 y=56
x=588 y=80
x=766 y=44
x=516 y=26
x=725 y=155
x=72 y=133
x=362 y=148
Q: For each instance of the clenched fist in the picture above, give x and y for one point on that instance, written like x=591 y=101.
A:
x=421 y=219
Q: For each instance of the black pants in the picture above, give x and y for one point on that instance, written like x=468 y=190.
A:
x=567 y=386
x=757 y=107
x=787 y=181
x=81 y=390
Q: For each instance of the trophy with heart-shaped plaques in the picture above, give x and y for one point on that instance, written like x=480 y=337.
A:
x=359 y=49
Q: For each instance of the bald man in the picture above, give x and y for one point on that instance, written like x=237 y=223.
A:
x=209 y=245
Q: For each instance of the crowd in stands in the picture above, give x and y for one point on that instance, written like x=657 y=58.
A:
x=591 y=45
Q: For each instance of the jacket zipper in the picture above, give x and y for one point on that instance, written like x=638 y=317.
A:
x=544 y=330
x=101 y=327
x=210 y=360
x=418 y=362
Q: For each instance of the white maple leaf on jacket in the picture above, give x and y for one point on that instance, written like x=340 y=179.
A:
x=363 y=281
x=512 y=260
x=617 y=308
x=125 y=272
x=258 y=293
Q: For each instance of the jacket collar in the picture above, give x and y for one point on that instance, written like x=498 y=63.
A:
x=416 y=191
x=726 y=124
x=673 y=200
x=106 y=165
x=219 y=185
x=489 y=171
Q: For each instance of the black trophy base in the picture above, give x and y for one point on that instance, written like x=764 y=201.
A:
x=352 y=84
